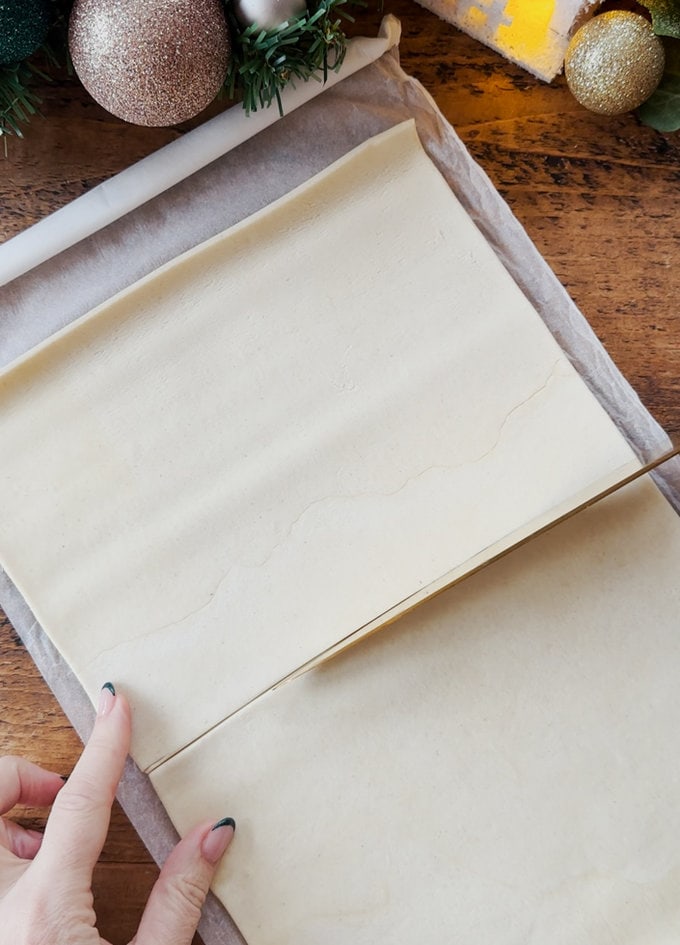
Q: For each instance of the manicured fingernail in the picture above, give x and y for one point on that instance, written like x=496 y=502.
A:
x=219 y=838
x=106 y=699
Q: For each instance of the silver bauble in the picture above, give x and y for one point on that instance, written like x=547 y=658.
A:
x=150 y=62
x=267 y=14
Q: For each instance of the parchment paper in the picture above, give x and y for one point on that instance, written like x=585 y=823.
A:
x=245 y=179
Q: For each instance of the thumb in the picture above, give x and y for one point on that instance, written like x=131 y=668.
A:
x=174 y=907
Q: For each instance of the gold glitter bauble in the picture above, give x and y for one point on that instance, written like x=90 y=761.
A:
x=150 y=62
x=614 y=62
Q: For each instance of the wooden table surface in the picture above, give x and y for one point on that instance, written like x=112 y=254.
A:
x=599 y=197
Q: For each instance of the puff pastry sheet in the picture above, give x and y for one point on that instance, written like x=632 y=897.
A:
x=291 y=431
x=279 y=437
x=501 y=767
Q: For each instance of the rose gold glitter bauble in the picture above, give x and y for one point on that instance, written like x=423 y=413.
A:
x=150 y=62
x=614 y=62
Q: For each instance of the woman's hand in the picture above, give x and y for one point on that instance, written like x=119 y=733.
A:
x=46 y=881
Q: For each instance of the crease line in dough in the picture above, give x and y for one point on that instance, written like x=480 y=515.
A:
x=436 y=467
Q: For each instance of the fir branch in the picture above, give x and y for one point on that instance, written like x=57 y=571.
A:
x=18 y=101
x=264 y=62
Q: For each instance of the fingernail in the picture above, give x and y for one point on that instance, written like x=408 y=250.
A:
x=219 y=838
x=106 y=699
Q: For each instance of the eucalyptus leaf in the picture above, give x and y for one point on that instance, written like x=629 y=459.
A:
x=665 y=16
x=662 y=110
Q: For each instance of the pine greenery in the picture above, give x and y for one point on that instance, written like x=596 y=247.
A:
x=307 y=47
x=18 y=101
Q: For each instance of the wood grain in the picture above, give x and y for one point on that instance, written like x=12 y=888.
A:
x=598 y=196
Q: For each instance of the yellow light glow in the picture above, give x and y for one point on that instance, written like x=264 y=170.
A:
x=528 y=31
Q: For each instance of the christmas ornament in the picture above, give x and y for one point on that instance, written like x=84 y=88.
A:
x=614 y=62
x=146 y=60
x=150 y=62
x=267 y=14
x=24 y=24
x=265 y=61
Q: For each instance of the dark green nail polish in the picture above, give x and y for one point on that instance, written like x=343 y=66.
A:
x=225 y=822
x=110 y=687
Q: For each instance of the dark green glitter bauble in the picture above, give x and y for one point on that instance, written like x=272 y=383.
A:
x=24 y=24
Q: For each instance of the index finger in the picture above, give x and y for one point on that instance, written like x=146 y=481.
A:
x=79 y=821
